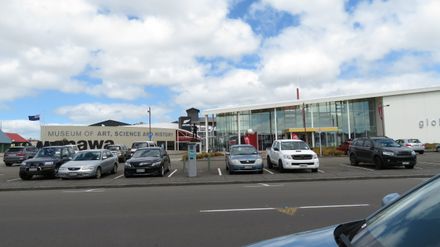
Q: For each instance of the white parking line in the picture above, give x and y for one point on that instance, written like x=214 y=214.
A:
x=85 y=191
x=15 y=179
x=265 y=185
x=429 y=163
x=266 y=209
x=119 y=176
x=321 y=171
x=219 y=171
x=171 y=174
x=268 y=171
x=358 y=167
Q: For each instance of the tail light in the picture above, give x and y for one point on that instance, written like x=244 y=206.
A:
x=20 y=154
x=408 y=145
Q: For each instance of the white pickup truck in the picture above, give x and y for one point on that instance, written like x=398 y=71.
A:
x=291 y=154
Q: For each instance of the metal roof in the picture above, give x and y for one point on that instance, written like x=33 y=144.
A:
x=314 y=101
x=4 y=139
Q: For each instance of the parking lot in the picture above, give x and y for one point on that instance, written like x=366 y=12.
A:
x=214 y=172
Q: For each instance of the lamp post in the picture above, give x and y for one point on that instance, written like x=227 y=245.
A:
x=149 y=124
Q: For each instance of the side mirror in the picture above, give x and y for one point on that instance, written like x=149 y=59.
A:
x=390 y=198
x=276 y=149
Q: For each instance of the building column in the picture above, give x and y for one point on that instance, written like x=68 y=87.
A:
x=206 y=134
x=348 y=119
x=275 y=122
x=238 y=128
x=313 y=125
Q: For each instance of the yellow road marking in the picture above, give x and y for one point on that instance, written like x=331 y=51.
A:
x=288 y=211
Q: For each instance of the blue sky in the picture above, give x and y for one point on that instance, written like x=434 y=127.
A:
x=85 y=61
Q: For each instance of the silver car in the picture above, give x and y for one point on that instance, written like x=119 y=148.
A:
x=89 y=163
x=243 y=158
x=412 y=143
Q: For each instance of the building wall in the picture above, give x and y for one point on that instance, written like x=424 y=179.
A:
x=90 y=137
x=413 y=116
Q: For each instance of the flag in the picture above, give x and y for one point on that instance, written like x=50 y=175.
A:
x=34 y=118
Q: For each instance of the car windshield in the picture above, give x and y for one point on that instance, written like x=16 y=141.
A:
x=412 y=221
x=15 y=150
x=294 y=146
x=49 y=152
x=90 y=155
x=147 y=153
x=385 y=143
x=413 y=141
x=243 y=150
x=114 y=148
x=139 y=145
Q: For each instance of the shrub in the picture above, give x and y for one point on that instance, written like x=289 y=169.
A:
x=329 y=151
x=204 y=155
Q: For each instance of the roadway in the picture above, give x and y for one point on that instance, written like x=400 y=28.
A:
x=194 y=215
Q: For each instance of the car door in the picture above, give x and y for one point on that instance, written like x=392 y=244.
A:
x=108 y=161
x=368 y=150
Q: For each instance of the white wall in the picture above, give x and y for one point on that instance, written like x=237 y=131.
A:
x=413 y=116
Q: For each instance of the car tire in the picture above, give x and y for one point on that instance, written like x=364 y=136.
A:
x=98 y=173
x=378 y=162
x=280 y=166
x=8 y=164
x=314 y=169
x=230 y=172
x=115 y=169
x=260 y=172
x=353 y=160
x=269 y=163
x=162 y=171
x=421 y=152
x=409 y=166
x=25 y=176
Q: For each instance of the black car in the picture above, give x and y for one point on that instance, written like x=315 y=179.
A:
x=120 y=150
x=148 y=161
x=18 y=154
x=382 y=151
x=46 y=162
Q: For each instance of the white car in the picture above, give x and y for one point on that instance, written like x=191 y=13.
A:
x=292 y=154
x=412 y=143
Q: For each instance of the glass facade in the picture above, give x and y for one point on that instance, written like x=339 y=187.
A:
x=326 y=123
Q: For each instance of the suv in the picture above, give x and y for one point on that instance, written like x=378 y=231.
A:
x=144 y=144
x=381 y=151
x=46 y=162
x=414 y=144
x=292 y=154
x=18 y=154
x=120 y=150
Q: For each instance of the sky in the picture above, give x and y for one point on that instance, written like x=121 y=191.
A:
x=86 y=61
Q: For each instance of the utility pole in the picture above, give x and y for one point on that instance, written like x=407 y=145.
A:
x=149 y=123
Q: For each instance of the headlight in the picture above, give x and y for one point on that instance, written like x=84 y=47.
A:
x=23 y=163
x=285 y=156
x=127 y=165
x=156 y=163
x=413 y=153
x=89 y=168
x=388 y=153
x=258 y=161
x=48 y=163
x=315 y=156
x=236 y=162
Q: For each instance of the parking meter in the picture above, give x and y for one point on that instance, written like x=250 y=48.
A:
x=192 y=160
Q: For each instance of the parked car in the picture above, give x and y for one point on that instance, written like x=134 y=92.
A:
x=382 y=151
x=89 y=163
x=292 y=154
x=243 y=158
x=74 y=147
x=143 y=144
x=414 y=144
x=344 y=146
x=46 y=162
x=18 y=154
x=148 y=161
x=120 y=150
x=408 y=220
x=437 y=148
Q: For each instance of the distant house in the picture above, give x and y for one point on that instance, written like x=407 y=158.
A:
x=5 y=142
x=17 y=140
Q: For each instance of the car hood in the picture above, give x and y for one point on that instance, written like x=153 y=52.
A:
x=396 y=149
x=144 y=159
x=322 y=237
x=245 y=157
x=79 y=163
x=293 y=152
x=43 y=159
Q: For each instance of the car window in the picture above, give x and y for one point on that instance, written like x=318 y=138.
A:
x=385 y=143
x=411 y=221
x=294 y=146
x=49 y=152
x=243 y=150
x=368 y=144
x=89 y=155
x=413 y=141
x=14 y=150
x=147 y=153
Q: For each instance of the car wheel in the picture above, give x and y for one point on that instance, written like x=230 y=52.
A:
x=421 y=152
x=8 y=164
x=98 y=174
x=115 y=169
x=162 y=171
x=314 y=169
x=353 y=160
x=269 y=163
x=260 y=172
x=230 y=172
x=280 y=166
x=378 y=162
x=25 y=176
x=409 y=166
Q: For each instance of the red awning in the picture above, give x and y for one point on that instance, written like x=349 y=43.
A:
x=16 y=138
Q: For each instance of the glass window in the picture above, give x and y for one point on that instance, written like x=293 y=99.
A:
x=294 y=145
x=147 y=153
x=243 y=150
x=88 y=155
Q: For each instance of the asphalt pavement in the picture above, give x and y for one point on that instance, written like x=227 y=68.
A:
x=214 y=172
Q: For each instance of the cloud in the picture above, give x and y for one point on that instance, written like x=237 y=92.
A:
x=27 y=129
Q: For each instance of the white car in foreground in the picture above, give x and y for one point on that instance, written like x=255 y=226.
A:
x=292 y=154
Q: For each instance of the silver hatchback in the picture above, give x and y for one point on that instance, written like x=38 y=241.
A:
x=414 y=144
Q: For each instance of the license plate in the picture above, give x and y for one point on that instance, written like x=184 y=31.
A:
x=405 y=163
x=303 y=165
x=33 y=169
x=73 y=174
x=11 y=155
x=247 y=167
x=140 y=170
